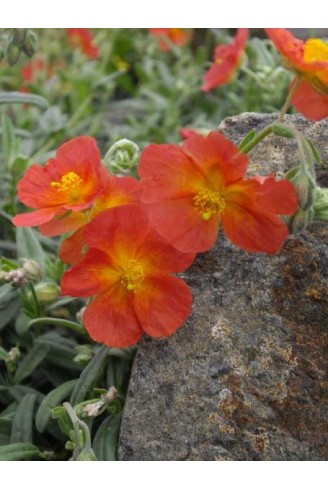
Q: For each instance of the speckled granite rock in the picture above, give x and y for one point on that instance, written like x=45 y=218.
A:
x=246 y=377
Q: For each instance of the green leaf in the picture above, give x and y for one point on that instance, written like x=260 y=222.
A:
x=3 y=354
x=18 y=452
x=315 y=151
x=54 y=398
x=90 y=375
x=28 y=245
x=31 y=361
x=8 y=138
x=249 y=137
x=22 y=323
x=22 y=98
x=117 y=373
x=22 y=426
x=106 y=438
x=8 y=312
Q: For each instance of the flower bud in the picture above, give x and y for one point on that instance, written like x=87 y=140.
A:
x=87 y=455
x=19 y=36
x=321 y=205
x=16 y=278
x=13 y=52
x=304 y=185
x=47 y=291
x=300 y=220
x=122 y=157
x=29 y=46
x=34 y=271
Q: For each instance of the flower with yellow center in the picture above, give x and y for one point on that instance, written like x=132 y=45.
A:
x=309 y=60
x=128 y=270
x=190 y=190
x=69 y=182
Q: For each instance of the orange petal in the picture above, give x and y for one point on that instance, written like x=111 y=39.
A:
x=309 y=102
x=157 y=255
x=162 y=305
x=254 y=231
x=216 y=157
x=36 y=218
x=178 y=222
x=118 y=228
x=59 y=225
x=111 y=320
x=93 y=275
x=276 y=196
x=166 y=172
x=71 y=249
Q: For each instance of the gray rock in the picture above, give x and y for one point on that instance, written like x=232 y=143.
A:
x=246 y=377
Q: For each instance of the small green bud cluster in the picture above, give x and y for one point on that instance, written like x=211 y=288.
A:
x=15 y=41
x=303 y=179
x=122 y=158
x=30 y=271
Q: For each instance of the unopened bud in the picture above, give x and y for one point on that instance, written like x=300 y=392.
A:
x=321 y=205
x=47 y=291
x=122 y=157
x=19 y=36
x=16 y=278
x=300 y=220
x=84 y=355
x=29 y=46
x=13 y=52
x=87 y=455
x=34 y=271
x=14 y=354
x=305 y=186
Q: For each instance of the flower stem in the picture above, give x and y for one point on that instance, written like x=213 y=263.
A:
x=285 y=107
x=59 y=322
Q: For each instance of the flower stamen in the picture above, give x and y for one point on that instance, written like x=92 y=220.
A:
x=133 y=275
x=208 y=203
x=68 y=182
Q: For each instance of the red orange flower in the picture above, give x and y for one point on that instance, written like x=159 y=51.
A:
x=177 y=36
x=83 y=39
x=191 y=189
x=69 y=182
x=309 y=60
x=118 y=191
x=128 y=269
x=227 y=59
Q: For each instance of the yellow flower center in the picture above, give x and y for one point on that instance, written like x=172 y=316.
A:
x=209 y=202
x=133 y=275
x=316 y=50
x=69 y=182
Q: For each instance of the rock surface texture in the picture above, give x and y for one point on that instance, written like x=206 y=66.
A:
x=246 y=377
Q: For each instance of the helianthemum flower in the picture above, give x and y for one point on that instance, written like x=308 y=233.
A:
x=227 y=58
x=118 y=191
x=177 y=36
x=127 y=270
x=309 y=60
x=83 y=39
x=193 y=188
x=69 y=182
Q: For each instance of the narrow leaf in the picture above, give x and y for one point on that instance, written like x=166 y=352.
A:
x=18 y=452
x=52 y=400
x=22 y=427
x=28 y=245
x=106 y=439
x=22 y=98
x=31 y=361
x=90 y=375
